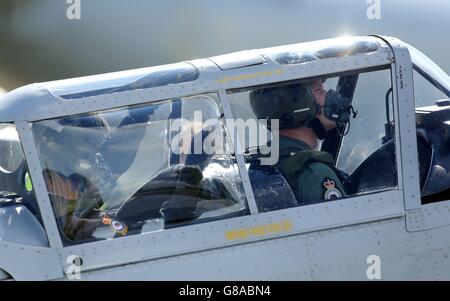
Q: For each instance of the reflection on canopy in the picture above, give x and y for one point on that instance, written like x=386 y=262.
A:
x=324 y=49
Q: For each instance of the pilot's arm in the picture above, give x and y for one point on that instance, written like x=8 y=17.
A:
x=318 y=182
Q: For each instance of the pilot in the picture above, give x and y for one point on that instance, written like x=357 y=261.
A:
x=306 y=112
x=75 y=173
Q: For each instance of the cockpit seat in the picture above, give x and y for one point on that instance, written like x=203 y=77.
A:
x=270 y=188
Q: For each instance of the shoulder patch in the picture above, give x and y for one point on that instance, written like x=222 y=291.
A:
x=331 y=192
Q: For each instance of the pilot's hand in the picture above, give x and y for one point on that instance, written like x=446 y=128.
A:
x=77 y=228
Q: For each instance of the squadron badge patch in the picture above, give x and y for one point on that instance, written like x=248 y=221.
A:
x=116 y=226
x=331 y=192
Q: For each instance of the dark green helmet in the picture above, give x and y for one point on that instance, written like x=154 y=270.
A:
x=293 y=105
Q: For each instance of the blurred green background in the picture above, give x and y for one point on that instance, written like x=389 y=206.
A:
x=39 y=43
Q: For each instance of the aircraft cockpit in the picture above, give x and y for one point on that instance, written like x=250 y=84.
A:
x=144 y=167
x=135 y=170
x=133 y=166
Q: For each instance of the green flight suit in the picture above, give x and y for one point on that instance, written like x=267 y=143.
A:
x=311 y=174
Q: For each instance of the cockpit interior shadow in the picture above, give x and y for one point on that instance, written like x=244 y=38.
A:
x=14 y=184
x=379 y=170
x=433 y=125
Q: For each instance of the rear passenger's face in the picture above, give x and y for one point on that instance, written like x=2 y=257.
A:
x=320 y=95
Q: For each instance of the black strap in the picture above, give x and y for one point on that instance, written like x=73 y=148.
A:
x=318 y=128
